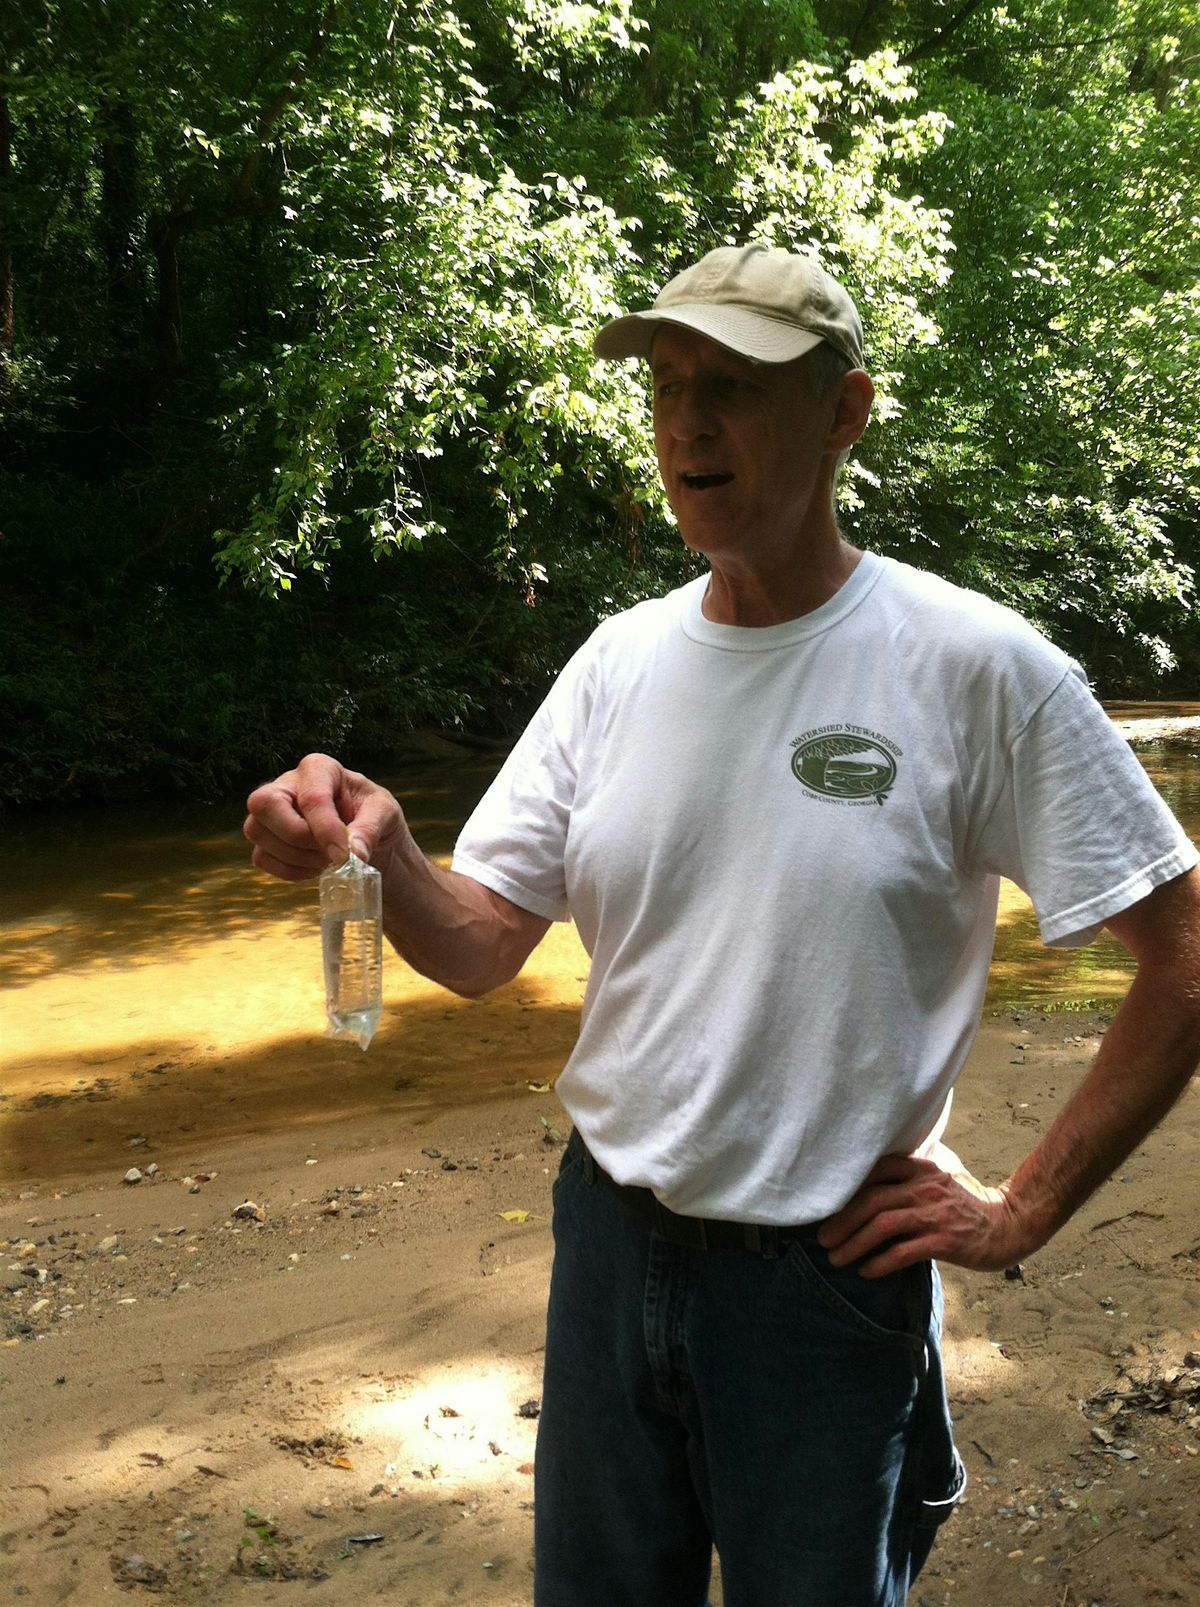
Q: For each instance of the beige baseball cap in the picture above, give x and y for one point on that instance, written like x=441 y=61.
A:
x=766 y=304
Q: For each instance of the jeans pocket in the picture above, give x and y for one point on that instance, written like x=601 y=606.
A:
x=572 y=1161
x=893 y=1310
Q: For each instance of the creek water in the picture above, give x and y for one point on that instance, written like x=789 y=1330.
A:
x=159 y=995
x=1022 y=970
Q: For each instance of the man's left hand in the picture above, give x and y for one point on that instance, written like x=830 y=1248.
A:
x=910 y=1210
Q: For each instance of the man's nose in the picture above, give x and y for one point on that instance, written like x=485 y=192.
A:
x=694 y=417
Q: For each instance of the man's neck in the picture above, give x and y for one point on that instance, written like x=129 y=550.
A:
x=736 y=596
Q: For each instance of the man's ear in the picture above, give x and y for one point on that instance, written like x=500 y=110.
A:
x=851 y=410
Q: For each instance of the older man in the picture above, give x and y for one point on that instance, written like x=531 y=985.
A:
x=777 y=803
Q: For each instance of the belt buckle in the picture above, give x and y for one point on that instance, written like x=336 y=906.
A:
x=690 y=1231
x=763 y=1239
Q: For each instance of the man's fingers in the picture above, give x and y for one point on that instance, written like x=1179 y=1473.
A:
x=883 y=1186
x=282 y=837
x=371 y=811
x=325 y=800
x=305 y=820
x=299 y=815
x=892 y=1220
x=840 y=1227
x=929 y=1214
x=287 y=871
x=900 y=1253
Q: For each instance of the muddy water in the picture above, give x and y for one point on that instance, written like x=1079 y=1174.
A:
x=154 y=987
x=1023 y=972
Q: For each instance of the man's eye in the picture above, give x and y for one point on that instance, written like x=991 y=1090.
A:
x=669 y=387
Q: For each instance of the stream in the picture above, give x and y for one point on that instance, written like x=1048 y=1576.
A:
x=153 y=987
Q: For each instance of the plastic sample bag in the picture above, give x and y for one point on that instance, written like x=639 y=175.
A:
x=352 y=948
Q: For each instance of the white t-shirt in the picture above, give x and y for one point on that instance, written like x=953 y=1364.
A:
x=782 y=849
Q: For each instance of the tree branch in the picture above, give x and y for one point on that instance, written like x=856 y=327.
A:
x=270 y=117
x=1021 y=48
x=866 y=17
x=934 y=42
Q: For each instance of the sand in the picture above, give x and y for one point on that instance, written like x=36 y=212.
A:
x=325 y=1404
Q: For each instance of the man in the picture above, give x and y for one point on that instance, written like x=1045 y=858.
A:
x=777 y=804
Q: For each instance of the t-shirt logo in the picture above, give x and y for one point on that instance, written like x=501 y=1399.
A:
x=846 y=763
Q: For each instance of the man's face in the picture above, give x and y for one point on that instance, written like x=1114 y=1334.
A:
x=741 y=448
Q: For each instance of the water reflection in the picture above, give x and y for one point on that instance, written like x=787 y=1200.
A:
x=1174 y=768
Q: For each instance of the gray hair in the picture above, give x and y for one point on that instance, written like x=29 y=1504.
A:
x=823 y=368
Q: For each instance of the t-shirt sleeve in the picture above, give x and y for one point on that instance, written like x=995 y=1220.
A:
x=1078 y=824
x=515 y=839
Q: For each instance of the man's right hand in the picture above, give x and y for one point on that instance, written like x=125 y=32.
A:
x=446 y=925
x=298 y=822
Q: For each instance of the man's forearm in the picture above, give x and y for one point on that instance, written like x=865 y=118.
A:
x=451 y=928
x=910 y=1210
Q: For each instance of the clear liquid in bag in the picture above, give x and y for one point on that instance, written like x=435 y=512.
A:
x=352 y=948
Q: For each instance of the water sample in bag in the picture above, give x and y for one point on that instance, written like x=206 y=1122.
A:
x=352 y=947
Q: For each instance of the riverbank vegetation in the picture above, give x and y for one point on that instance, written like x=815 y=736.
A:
x=302 y=441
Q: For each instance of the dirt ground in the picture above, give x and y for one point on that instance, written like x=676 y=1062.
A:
x=332 y=1397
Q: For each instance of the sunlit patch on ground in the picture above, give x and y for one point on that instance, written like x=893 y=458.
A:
x=460 y=1424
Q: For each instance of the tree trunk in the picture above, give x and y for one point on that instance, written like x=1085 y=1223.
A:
x=862 y=42
x=120 y=230
x=242 y=203
x=7 y=326
x=170 y=308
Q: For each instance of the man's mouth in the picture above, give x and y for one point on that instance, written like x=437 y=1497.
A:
x=704 y=482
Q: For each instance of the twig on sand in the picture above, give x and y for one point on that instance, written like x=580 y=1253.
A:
x=1101 y=1538
x=1116 y=1243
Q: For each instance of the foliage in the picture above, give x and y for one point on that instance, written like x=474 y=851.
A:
x=1059 y=465
x=299 y=409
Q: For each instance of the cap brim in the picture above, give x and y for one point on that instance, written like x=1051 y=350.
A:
x=750 y=334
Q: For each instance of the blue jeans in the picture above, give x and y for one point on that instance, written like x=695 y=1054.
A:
x=791 y=1414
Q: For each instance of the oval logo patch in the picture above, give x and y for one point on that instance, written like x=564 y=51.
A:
x=850 y=766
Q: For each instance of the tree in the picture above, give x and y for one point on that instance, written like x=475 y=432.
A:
x=295 y=319
x=1059 y=468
